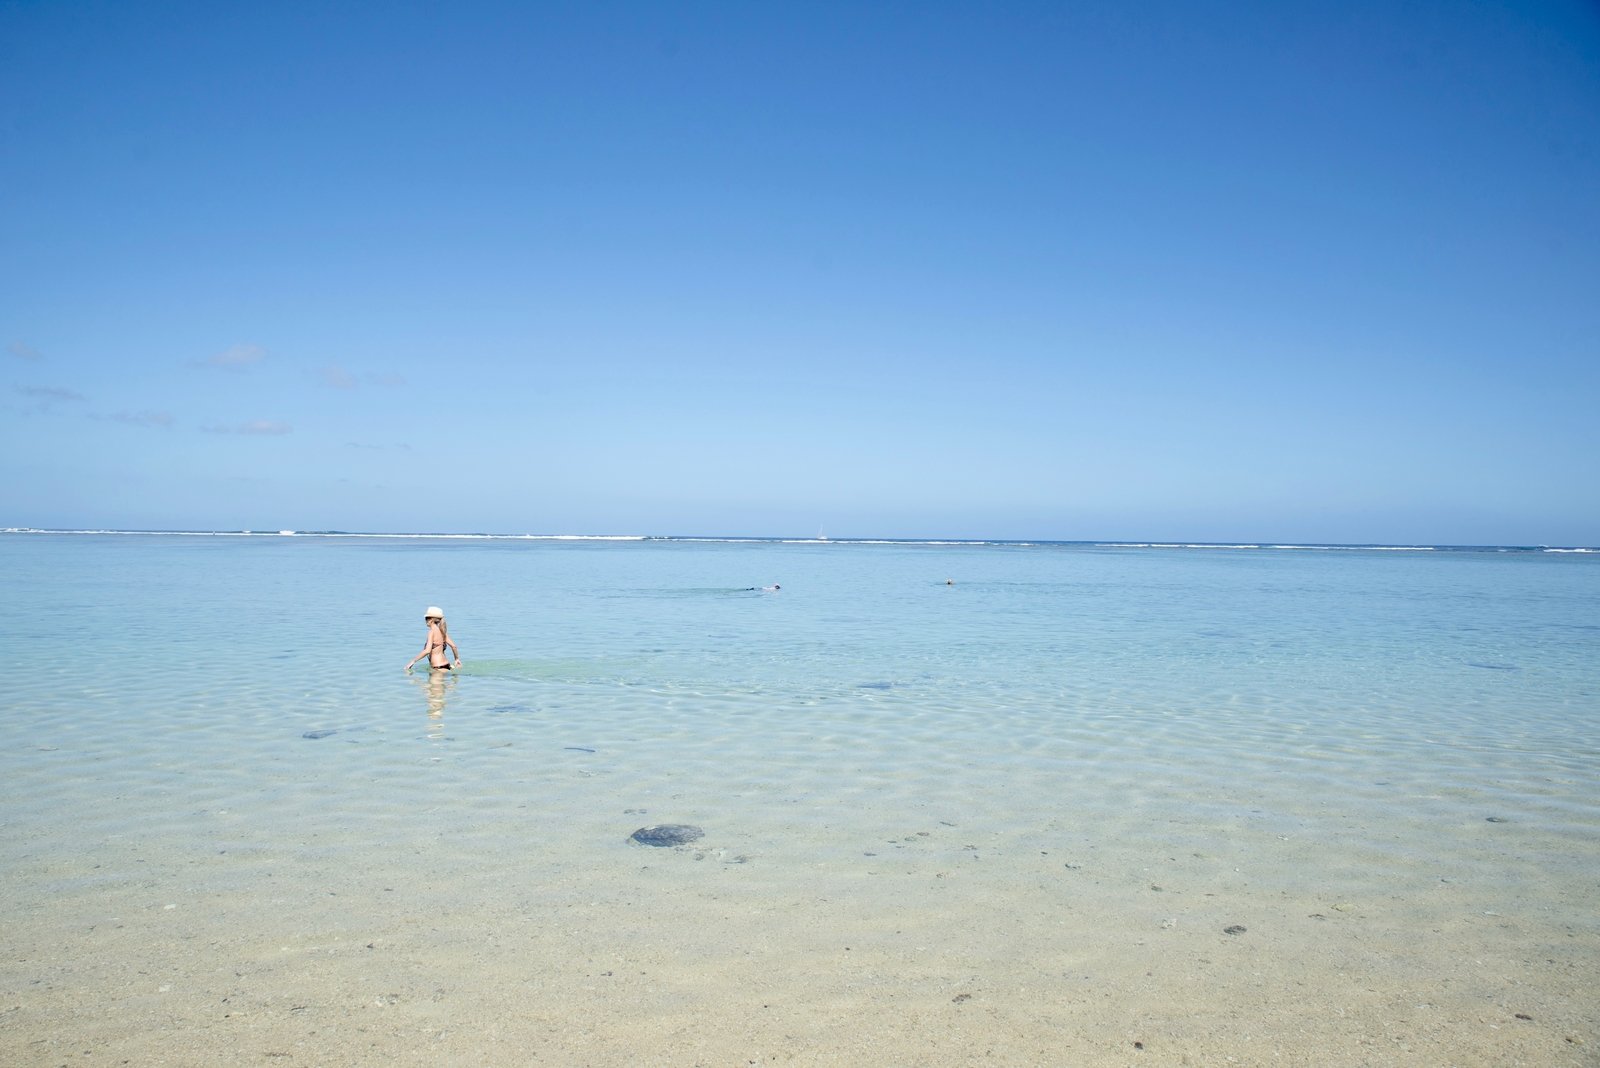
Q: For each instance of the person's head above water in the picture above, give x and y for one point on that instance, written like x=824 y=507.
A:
x=433 y=612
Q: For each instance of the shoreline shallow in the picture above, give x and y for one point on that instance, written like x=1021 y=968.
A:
x=670 y=959
x=809 y=930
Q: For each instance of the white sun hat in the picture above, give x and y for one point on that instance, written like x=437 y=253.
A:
x=434 y=611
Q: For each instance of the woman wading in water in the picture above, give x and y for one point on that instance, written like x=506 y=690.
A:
x=438 y=642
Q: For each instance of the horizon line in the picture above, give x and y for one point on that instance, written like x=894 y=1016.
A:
x=1115 y=543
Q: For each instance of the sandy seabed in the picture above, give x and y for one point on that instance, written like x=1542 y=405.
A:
x=1010 y=829
x=926 y=945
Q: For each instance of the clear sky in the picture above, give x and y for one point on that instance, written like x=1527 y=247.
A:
x=1190 y=270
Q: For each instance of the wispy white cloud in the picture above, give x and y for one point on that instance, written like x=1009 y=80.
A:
x=265 y=426
x=337 y=377
x=269 y=427
x=23 y=351
x=150 y=419
x=238 y=356
x=50 y=394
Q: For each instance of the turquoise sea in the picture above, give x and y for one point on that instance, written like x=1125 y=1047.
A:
x=965 y=802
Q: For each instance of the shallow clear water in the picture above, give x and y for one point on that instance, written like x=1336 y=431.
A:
x=1410 y=736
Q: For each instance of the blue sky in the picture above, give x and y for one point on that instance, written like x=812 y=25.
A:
x=1209 y=271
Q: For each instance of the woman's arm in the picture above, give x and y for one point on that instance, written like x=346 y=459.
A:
x=453 y=649
x=420 y=655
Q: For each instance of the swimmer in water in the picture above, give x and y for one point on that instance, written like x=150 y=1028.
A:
x=774 y=588
x=438 y=642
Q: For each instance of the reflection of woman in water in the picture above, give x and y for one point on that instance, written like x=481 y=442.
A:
x=438 y=642
x=437 y=688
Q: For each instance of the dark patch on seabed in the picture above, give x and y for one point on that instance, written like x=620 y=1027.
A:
x=320 y=734
x=667 y=834
x=874 y=685
x=1492 y=667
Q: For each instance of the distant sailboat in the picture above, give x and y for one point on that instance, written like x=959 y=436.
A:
x=820 y=535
